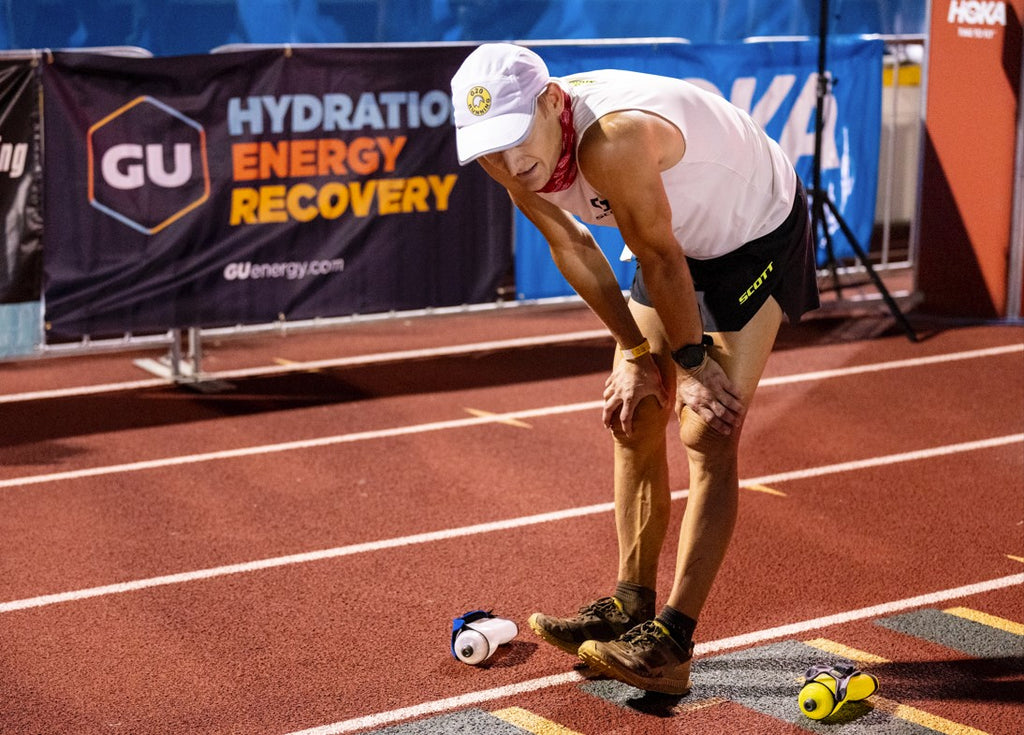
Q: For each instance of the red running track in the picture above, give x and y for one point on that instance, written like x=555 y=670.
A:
x=286 y=555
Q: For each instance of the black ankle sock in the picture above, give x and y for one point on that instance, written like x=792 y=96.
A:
x=680 y=626
x=637 y=600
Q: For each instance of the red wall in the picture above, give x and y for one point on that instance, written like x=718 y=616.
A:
x=974 y=68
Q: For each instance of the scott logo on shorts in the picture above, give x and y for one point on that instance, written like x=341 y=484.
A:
x=757 y=284
x=478 y=101
x=147 y=165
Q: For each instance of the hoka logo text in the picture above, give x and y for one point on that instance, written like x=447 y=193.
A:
x=977 y=12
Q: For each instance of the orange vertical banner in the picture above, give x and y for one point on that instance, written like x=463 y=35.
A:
x=973 y=99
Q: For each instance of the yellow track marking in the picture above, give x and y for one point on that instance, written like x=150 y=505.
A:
x=532 y=723
x=698 y=704
x=985 y=619
x=285 y=362
x=838 y=649
x=511 y=422
x=1015 y=558
x=765 y=489
x=918 y=717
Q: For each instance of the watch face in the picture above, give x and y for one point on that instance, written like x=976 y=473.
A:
x=689 y=356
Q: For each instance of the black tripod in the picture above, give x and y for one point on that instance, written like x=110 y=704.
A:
x=820 y=198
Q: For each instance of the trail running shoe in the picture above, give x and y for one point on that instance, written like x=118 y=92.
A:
x=645 y=657
x=601 y=620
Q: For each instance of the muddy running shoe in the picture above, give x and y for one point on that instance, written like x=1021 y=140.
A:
x=645 y=657
x=601 y=620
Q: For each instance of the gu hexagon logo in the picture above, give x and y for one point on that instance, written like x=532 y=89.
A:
x=147 y=165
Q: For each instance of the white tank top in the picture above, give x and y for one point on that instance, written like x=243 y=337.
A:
x=733 y=184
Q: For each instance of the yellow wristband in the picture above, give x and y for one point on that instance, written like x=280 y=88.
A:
x=644 y=348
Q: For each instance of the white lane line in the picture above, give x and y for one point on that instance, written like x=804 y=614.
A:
x=874 y=611
x=892 y=365
x=447 y=351
x=504 y=525
x=443 y=705
x=761 y=636
x=295 y=367
x=305 y=557
x=84 y=390
x=863 y=464
x=509 y=417
x=483 y=347
x=323 y=441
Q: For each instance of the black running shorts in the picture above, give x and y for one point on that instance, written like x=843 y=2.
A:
x=733 y=287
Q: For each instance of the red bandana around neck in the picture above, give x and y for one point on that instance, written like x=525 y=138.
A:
x=565 y=170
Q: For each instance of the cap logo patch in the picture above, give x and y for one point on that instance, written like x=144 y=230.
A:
x=478 y=101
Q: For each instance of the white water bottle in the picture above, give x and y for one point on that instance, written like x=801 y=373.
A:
x=478 y=641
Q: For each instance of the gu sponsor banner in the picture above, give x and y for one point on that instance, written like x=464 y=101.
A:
x=20 y=185
x=260 y=185
x=776 y=82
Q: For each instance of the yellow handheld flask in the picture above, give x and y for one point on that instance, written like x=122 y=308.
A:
x=827 y=688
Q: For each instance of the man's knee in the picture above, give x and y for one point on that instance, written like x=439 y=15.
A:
x=649 y=422
x=698 y=436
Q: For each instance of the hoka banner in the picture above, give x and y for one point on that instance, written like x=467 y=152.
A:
x=249 y=187
x=776 y=82
x=20 y=185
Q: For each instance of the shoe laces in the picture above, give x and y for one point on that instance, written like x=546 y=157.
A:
x=644 y=635
x=602 y=608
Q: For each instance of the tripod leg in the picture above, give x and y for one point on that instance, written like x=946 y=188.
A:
x=818 y=223
x=863 y=258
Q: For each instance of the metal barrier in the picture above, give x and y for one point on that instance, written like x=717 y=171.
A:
x=1015 y=289
x=900 y=154
x=893 y=251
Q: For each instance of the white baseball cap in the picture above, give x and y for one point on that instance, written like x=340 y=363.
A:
x=494 y=95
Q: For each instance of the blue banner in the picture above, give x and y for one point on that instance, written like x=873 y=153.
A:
x=170 y=27
x=776 y=82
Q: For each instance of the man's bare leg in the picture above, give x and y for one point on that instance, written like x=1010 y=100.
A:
x=642 y=506
x=656 y=654
x=641 y=481
x=711 y=506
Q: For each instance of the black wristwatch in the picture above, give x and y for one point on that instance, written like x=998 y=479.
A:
x=691 y=356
